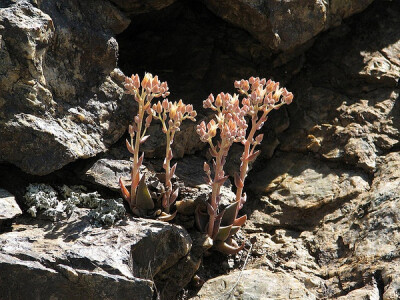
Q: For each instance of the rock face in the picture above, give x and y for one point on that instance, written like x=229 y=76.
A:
x=324 y=209
x=323 y=199
x=72 y=259
x=285 y=25
x=60 y=96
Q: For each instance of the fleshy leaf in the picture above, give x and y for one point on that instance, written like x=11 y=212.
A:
x=166 y=217
x=252 y=157
x=201 y=219
x=227 y=249
x=143 y=139
x=217 y=224
x=173 y=170
x=238 y=181
x=124 y=191
x=240 y=221
x=223 y=233
x=173 y=196
x=234 y=230
x=230 y=214
x=129 y=147
x=143 y=198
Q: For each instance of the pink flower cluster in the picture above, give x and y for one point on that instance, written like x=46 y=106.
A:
x=176 y=111
x=151 y=85
x=229 y=119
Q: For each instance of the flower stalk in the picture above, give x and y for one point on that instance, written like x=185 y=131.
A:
x=143 y=92
x=171 y=116
x=260 y=98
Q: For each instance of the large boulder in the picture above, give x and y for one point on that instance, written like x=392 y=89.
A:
x=60 y=95
x=73 y=259
x=285 y=25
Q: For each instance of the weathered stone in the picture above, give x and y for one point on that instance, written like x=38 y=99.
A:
x=254 y=284
x=343 y=111
x=174 y=279
x=107 y=172
x=60 y=93
x=293 y=191
x=359 y=241
x=86 y=260
x=370 y=292
x=23 y=279
x=283 y=26
x=9 y=208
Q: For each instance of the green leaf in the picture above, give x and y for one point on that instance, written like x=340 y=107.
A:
x=143 y=198
x=223 y=233
x=234 y=230
x=230 y=214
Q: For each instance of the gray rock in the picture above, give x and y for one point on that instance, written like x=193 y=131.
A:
x=84 y=261
x=61 y=97
x=283 y=26
x=107 y=172
x=254 y=284
x=9 y=208
x=345 y=110
x=23 y=279
x=291 y=191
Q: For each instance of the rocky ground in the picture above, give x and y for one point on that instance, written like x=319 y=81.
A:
x=323 y=203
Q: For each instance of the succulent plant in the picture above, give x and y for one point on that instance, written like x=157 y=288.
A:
x=144 y=92
x=171 y=116
x=260 y=97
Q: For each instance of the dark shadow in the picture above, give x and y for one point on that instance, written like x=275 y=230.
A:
x=186 y=45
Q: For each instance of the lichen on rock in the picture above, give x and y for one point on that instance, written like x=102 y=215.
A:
x=44 y=202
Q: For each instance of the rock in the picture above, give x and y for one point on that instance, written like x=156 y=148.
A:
x=82 y=261
x=174 y=279
x=139 y=7
x=107 y=172
x=63 y=109
x=9 y=208
x=284 y=26
x=359 y=240
x=254 y=284
x=293 y=192
x=63 y=281
x=368 y=292
x=345 y=111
